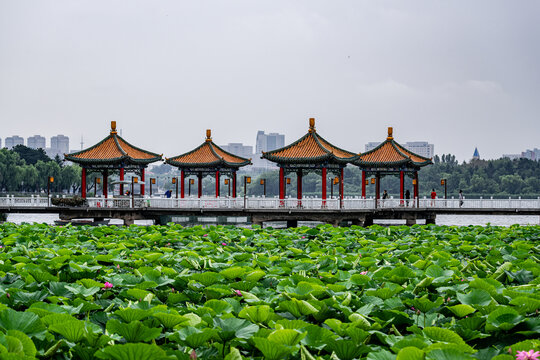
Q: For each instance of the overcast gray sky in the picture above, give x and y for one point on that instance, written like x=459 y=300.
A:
x=458 y=74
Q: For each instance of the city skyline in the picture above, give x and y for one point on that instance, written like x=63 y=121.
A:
x=459 y=75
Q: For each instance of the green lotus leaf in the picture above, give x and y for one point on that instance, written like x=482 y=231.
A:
x=525 y=305
x=17 y=342
x=425 y=305
x=443 y=335
x=169 y=321
x=207 y=278
x=256 y=314
x=132 y=352
x=409 y=341
x=347 y=349
x=287 y=337
x=193 y=337
x=77 y=289
x=271 y=350
x=317 y=336
x=233 y=327
x=129 y=314
x=26 y=322
x=503 y=318
x=134 y=331
x=219 y=306
x=73 y=330
x=461 y=310
x=234 y=272
x=411 y=353
x=475 y=297
x=298 y=308
x=448 y=354
x=234 y=354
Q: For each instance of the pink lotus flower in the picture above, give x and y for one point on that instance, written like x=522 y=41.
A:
x=363 y=272
x=8 y=295
x=193 y=355
x=118 y=266
x=528 y=355
x=205 y=235
x=224 y=244
x=107 y=286
x=238 y=292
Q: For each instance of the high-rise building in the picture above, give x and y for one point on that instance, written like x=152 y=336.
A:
x=422 y=148
x=268 y=142
x=239 y=149
x=0 y=143
x=59 y=146
x=36 y=142
x=13 y=141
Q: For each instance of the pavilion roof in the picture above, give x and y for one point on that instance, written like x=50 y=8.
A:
x=391 y=154
x=208 y=155
x=111 y=151
x=310 y=149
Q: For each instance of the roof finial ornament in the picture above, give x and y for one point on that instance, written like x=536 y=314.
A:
x=113 y=127
x=311 y=124
x=390 y=131
x=208 y=135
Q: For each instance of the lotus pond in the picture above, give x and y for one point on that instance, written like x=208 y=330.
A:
x=168 y=292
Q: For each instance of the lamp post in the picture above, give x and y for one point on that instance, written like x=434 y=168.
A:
x=175 y=181
x=191 y=182
x=152 y=181
x=287 y=182
x=228 y=182
x=134 y=180
x=247 y=180
x=333 y=182
x=96 y=181
x=50 y=180
x=263 y=183
x=443 y=183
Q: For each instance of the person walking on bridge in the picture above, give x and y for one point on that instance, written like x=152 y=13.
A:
x=433 y=197
x=460 y=198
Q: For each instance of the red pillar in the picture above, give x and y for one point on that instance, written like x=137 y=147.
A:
x=142 y=182
x=83 y=183
x=416 y=188
x=401 y=186
x=217 y=183
x=105 y=183
x=281 y=183
x=341 y=187
x=363 y=184
x=121 y=179
x=199 y=185
x=324 y=187
x=299 y=187
x=182 y=183
x=234 y=184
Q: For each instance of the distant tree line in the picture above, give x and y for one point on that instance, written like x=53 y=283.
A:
x=26 y=170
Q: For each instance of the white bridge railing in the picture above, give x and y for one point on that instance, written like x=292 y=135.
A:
x=275 y=203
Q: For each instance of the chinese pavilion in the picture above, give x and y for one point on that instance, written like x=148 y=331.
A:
x=310 y=153
x=208 y=159
x=390 y=158
x=111 y=154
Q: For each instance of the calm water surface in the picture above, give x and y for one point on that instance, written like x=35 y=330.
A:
x=459 y=220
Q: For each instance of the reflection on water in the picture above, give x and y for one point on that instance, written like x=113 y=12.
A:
x=459 y=220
